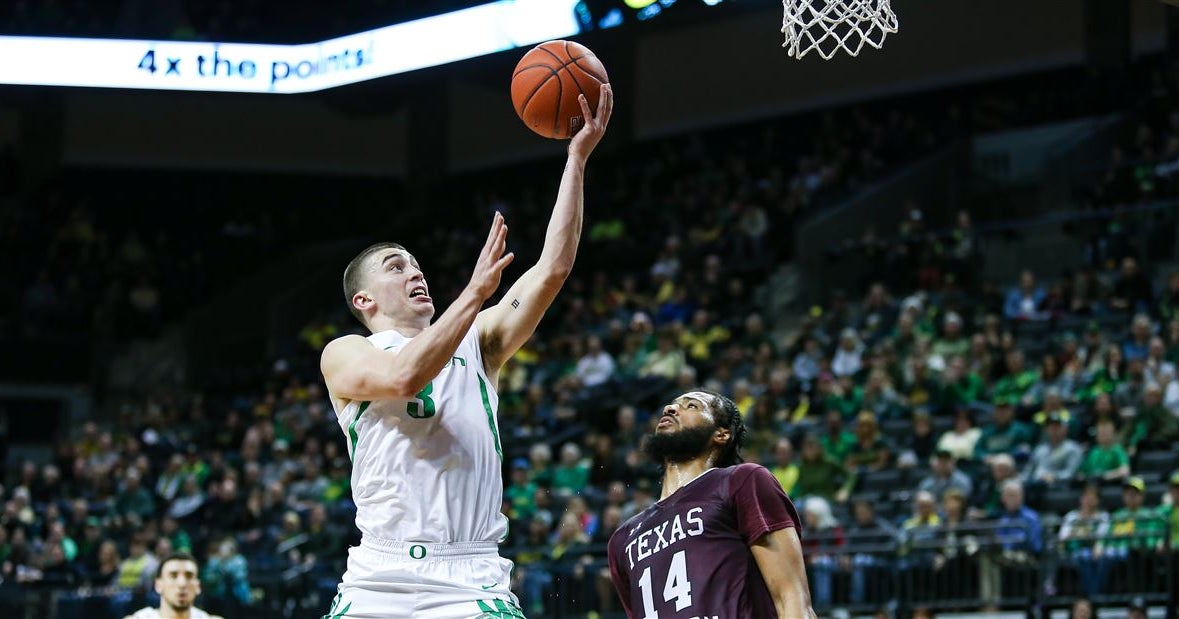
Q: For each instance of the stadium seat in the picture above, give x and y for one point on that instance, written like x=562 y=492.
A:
x=882 y=481
x=897 y=429
x=1155 y=493
x=1061 y=500
x=1111 y=497
x=1162 y=462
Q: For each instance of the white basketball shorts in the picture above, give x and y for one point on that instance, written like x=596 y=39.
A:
x=403 y=580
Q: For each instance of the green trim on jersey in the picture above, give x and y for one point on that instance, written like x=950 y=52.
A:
x=352 y=435
x=502 y=609
x=490 y=416
x=335 y=603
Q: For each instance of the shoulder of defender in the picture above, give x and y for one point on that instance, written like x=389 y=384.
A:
x=739 y=475
x=746 y=470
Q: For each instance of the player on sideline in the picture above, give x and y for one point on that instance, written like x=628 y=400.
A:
x=723 y=539
x=417 y=405
x=179 y=583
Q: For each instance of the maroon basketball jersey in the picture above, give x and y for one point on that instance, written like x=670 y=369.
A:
x=688 y=555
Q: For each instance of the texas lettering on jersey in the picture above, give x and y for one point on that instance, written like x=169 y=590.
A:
x=685 y=556
x=664 y=535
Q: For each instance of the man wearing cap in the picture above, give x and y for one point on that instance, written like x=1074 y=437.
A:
x=945 y=475
x=1004 y=435
x=1057 y=458
x=521 y=494
x=1134 y=531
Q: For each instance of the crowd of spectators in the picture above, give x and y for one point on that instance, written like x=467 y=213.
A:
x=932 y=405
x=94 y=251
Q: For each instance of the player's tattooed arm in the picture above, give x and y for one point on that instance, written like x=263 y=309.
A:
x=505 y=327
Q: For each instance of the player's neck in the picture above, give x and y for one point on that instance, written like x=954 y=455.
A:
x=405 y=328
x=676 y=475
x=167 y=612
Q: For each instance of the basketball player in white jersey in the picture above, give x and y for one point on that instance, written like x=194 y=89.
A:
x=417 y=404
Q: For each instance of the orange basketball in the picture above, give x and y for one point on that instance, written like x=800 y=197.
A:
x=546 y=83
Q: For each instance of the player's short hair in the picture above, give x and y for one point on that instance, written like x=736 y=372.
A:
x=354 y=275
x=176 y=556
x=726 y=414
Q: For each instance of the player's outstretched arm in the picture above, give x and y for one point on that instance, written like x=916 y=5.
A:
x=779 y=557
x=505 y=327
x=354 y=369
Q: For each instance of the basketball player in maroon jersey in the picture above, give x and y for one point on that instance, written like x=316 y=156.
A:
x=722 y=542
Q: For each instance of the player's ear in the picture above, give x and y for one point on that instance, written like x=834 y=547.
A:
x=159 y=587
x=722 y=436
x=362 y=300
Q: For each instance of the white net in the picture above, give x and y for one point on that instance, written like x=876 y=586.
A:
x=827 y=26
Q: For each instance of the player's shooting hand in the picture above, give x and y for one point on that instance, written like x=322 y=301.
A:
x=591 y=132
x=492 y=260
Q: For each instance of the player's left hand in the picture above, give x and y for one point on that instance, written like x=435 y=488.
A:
x=591 y=132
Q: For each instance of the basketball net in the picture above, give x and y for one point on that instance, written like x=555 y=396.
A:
x=827 y=26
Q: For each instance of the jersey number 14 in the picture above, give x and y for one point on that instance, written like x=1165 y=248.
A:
x=676 y=588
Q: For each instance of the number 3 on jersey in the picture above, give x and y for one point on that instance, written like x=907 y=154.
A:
x=676 y=588
x=426 y=408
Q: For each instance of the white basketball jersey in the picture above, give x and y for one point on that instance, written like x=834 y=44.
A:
x=427 y=469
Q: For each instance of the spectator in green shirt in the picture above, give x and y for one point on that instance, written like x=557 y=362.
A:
x=1171 y=509
x=960 y=386
x=1017 y=382
x=1004 y=435
x=1106 y=460
x=821 y=475
x=521 y=494
x=572 y=474
x=870 y=451
x=839 y=394
x=1153 y=424
x=1132 y=529
x=837 y=443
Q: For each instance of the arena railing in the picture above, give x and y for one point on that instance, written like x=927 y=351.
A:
x=964 y=569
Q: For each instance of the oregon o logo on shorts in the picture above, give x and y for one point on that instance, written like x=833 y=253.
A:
x=417 y=551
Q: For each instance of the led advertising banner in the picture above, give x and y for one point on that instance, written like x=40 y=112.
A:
x=243 y=67
x=240 y=67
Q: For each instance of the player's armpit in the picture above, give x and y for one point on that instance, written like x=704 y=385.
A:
x=354 y=369
x=779 y=558
x=505 y=326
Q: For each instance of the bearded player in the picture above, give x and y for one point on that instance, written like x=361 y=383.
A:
x=723 y=539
